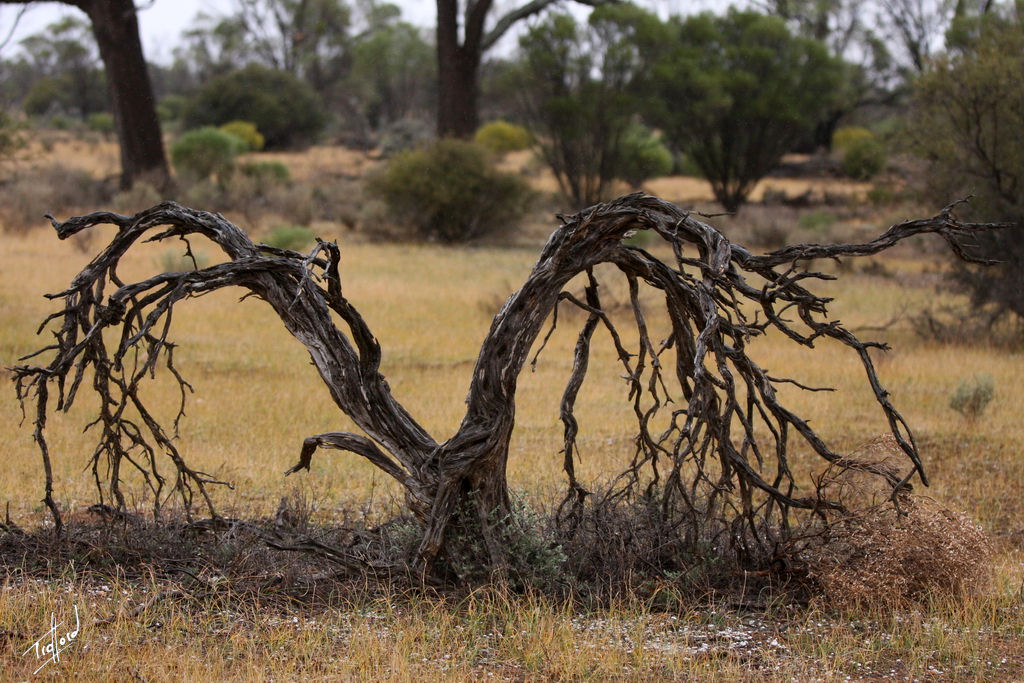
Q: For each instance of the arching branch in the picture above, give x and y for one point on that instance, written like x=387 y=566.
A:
x=712 y=441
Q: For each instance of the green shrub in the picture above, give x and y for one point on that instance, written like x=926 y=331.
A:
x=294 y=237
x=172 y=108
x=266 y=171
x=450 y=191
x=287 y=111
x=246 y=132
x=10 y=140
x=972 y=396
x=642 y=156
x=863 y=156
x=205 y=152
x=101 y=122
x=502 y=137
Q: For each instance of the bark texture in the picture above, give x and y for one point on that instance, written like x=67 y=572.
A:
x=712 y=439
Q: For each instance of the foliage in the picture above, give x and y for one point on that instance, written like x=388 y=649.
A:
x=273 y=171
x=101 y=122
x=735 y=92
x=450 y=191
x=393 y=72
x=66 y=77
x=643 y=156
x=965 y=122
x=205 y=152
x=286 y=111
x=972 y=396
x=578 y=88
x=502 y=137
x=10 y=140
x=294 y=237
x=247 y=133
x=863 y=155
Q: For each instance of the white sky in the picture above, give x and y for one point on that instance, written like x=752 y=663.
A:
x=161 y=22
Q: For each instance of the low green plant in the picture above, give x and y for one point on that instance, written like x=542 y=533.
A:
x=294 y=237
x=817 y=220
x=267 y=171
x=863 y=156
x=642 y=156
x=206 y=152
x=101 y=122
x=972 y=396
x=450 y=191
x=247 y=132
x=502 y=137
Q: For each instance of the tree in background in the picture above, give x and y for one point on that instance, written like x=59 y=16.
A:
x=578 y=89
x=967 y=121
x=285 y=110
x=393 y=69
x=115 y=26
x=66 y=72
x=461 y=45
x=736 y=92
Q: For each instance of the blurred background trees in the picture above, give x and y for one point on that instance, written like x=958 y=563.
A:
x=611 y=96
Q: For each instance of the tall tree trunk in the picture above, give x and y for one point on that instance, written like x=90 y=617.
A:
x=116 y=28
x=458 y=65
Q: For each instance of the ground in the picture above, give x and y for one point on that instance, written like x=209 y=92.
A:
x=257 y=397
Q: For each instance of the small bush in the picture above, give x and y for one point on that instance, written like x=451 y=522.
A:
x=972 y=397
x=294 y=237
x=205 y=152
x=266 y=171
x=450 y=191
x=101 y=122
x=502 y=137
x=876 y=554
x=247 y=133
x=32 y=193
x=642 y=156
x=863 y=156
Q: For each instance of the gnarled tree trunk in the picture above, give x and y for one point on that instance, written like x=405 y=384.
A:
x=720 y=448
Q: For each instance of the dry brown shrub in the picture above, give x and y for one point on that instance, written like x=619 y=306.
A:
x=50 y=189
x=881 y=554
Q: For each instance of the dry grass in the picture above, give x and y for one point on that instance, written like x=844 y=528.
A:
x=257 y=397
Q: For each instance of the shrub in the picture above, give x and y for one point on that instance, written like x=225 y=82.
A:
x=863 y=156
x=101 y=122
x=10 y=141
x=266 y=171
x=876 y=553
x=205 y=152
x=642 y=156
x=285 y=110
x=502 y=137
x=32 y=193
x=972 y=396
x=294 y=237
x=247 y=132
x=449 y=191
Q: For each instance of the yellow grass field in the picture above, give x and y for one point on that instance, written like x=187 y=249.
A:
x=257 y=397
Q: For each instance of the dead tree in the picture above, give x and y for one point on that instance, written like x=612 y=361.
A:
x=712 y=439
